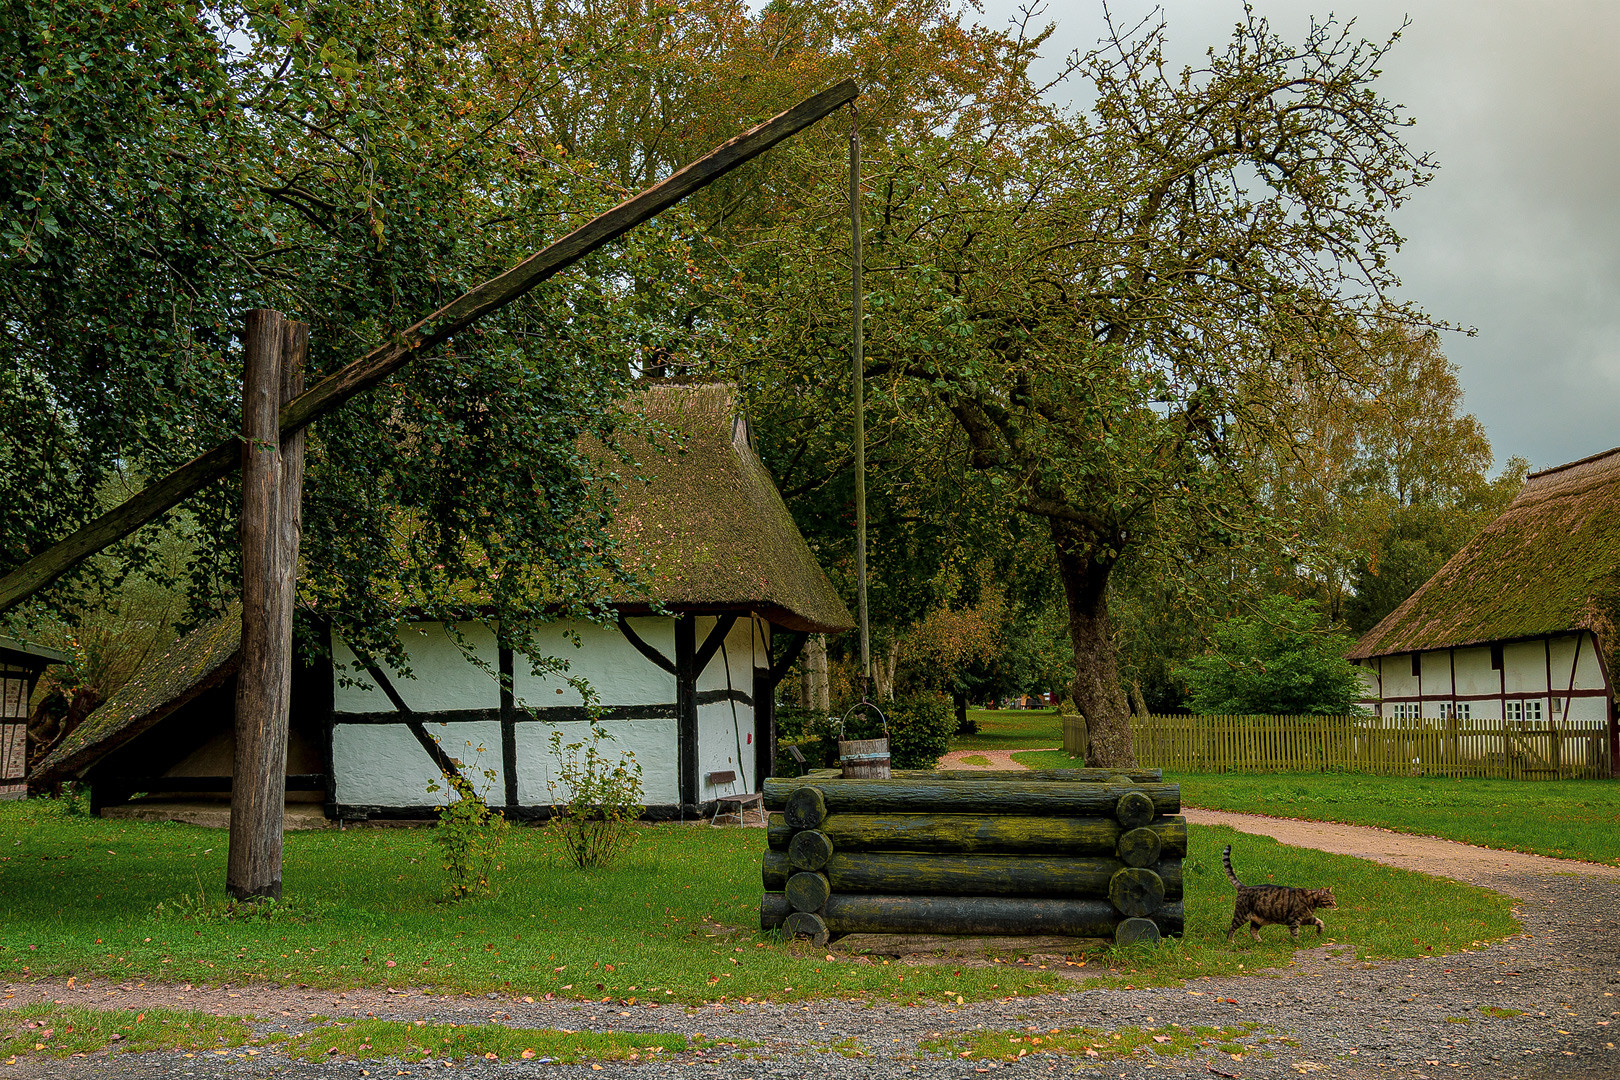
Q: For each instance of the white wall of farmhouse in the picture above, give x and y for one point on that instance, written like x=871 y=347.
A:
x=1558 y=677
x=605 y=659
x=378 y=761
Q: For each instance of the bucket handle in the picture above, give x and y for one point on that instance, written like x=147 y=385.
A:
x=863 y=705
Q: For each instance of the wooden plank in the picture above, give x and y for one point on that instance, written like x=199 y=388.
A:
x=428 y=333
x=972 y=797
x=984 y=915
x=908 y=874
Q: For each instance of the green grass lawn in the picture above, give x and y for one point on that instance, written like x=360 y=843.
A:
x=1012 y=729
x=1571 y=819
x=677 y=922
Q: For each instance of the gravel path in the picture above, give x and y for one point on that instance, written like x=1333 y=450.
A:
x=1339 y=1017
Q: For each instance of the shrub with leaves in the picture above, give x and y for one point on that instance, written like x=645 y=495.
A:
x=596 y=795
x=1281 y=659
x=471 y=836
x=920 y=730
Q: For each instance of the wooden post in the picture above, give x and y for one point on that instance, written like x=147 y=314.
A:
x=272 y=486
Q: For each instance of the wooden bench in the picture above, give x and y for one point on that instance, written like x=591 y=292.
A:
x=741 y=801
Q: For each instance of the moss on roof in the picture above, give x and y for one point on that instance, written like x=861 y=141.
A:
x=1550 y=563
x=709 y=528
x=196 y=663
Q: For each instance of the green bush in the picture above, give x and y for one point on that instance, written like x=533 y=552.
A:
x=920 y=730
x=596 y=795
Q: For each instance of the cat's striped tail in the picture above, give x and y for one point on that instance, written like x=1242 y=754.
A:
x=1226 y=861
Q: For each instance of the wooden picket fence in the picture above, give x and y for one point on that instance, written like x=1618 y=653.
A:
x=1385 y=746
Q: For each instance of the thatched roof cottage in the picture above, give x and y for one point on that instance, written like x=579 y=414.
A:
x=686 y=679
x=1519 y=627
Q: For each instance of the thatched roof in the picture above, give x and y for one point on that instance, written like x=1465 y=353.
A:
x=709 y=529
x=190 y=667
x=1549 y=564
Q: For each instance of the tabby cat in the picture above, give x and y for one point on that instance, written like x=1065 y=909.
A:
x=1264 y=905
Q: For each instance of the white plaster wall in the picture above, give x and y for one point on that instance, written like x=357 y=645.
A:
x=1398 y=680
x=606 y=659
x=652 y=741
x=444 y=677
x=1436 y=672
x=739 y=655
x=1474 y=672
x=718 y=738
x=1524 y=665
x=1589 y=709
x=1369 y=680
x=719 y=729
x=384 y=765
x=762 y=643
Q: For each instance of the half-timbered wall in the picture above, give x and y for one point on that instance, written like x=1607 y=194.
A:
x=1559 y=677
x=379 y=761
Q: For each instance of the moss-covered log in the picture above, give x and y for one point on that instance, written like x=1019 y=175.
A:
x=983 y=915
x=774 y=870
x=806 y=924
x=774 y=908
x=904 y=874
x=976 y=833
x=1136 y=932
x=807 y=891
x=804 y=808
x=1134 y=809
x=809 y=849
x=1139 y=847
x=1135 y=891
x=974 y=796
x=1136 y=776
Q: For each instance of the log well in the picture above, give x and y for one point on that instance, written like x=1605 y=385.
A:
x=1091 y=855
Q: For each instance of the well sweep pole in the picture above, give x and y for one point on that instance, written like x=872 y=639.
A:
x=857 y=348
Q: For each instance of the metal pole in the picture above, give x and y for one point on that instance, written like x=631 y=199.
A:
x=857 y=347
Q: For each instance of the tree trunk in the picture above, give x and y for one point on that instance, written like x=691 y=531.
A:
x=1096 y=689
x=814 y=691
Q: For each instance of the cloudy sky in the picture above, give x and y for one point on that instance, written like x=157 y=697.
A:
x=1519 y=234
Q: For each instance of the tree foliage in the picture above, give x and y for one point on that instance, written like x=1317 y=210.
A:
x=1282 y=660
x=166 y=168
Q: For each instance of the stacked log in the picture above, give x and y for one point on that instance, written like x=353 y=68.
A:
x=1075 y=852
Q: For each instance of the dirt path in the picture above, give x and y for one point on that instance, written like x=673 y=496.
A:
x=998 y=759
x=1505 y=871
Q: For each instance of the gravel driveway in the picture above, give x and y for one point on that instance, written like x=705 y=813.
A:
x=1339 y=1017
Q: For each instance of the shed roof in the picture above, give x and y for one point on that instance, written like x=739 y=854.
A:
x=29 y=654
x=1549 y=564
x=191 y=666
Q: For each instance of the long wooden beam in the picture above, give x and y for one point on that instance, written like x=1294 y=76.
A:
x=451 y=319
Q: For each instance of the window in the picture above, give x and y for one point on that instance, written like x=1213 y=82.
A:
x=1407 y=710
x=1524 y=710
x=1454 y=710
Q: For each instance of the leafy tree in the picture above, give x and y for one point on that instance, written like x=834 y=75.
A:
x=1280 y=660
x=1100 y=319
x=166 y=168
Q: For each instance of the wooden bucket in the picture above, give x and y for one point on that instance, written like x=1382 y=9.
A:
x=864 y=759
